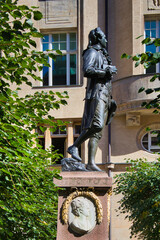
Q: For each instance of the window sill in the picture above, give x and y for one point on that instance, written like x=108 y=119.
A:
x=56 y=86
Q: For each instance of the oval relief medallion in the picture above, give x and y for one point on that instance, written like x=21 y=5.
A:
x=82 y=215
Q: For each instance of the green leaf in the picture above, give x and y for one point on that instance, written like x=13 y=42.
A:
x=33 y=43
x=141 y=89
x=52 y=56
x=137 y=63
x=29 y=22
x=157 y=42
x=16 y=14
x=140 y=36
x=37 y=15
x=37 y=34
x=7 y=36
x=124 y=55
x=59 y=52
x=136 y=58
x=156 y=55
x=23 y=7
x=149 y=90
x=147 y=41
x=143 y=104
x=153 y=78
x=17 y=25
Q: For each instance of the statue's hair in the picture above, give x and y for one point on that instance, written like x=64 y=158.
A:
x=94 y=36
x=77 y=206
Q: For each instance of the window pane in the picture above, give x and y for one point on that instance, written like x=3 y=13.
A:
x=72 y=36
x=151 y=69
x=59 y=144
x=154 y=141
x=153 y=33
x=155 y=150
x=55 y=38
x=45 y=38
x=147 y=24
x=145 y=145
x=77 y=129
x=63 y=130
x=145 y=138
x=153 y=24
x=55 y=132
x=59 y=71
x=73 y=69
x=55 y=46
x=151 y=48
x=63 y=37
x=72 y=45
x=45 y=76
x=45 y=46
x=147 y=33
x=151 y=138
x=62 y=46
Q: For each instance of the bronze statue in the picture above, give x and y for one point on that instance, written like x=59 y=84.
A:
x=99 y=105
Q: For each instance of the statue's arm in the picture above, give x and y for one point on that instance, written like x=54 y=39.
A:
x=89 y=66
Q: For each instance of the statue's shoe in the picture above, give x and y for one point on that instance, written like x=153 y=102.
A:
x=74 y=153
x=93 y=167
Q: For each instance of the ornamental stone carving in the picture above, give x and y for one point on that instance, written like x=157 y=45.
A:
x=132 y=119
x=82 y=210
x=82 y=215
x=156 y=3
x=153 y=4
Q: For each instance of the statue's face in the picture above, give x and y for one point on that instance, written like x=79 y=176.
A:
x=103 y=40
x=86 y=210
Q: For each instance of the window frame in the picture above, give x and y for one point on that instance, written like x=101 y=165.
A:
x=67 y=53
x=149 y=142
x=157 y=20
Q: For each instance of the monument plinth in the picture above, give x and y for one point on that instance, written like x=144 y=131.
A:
x=83 y=207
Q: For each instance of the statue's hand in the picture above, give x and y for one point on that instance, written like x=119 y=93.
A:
x=113 y=69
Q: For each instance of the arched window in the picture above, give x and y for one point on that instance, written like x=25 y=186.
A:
x=151 y=141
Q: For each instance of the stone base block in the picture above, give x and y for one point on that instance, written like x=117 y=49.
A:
x=100 y=184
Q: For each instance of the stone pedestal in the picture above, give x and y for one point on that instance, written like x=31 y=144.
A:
x=97 y=182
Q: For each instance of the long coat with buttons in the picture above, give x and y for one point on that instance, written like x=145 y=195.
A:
x=98 y=84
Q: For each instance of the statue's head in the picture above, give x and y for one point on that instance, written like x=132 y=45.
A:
x=97 y=36
x=79 y=207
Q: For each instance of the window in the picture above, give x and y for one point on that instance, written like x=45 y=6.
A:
x=59 y=141
x=41 y=137
x=63 y=70
x=152 y=30
x=150 y=141
x=60 y=138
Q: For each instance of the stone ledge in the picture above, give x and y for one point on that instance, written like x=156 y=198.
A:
x=84 y=179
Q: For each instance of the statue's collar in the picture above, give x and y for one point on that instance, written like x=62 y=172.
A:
x=97 y=47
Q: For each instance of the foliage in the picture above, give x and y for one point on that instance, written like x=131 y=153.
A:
x=140 y=185
x=140 y=189
x=148 y=59
x=28 y=200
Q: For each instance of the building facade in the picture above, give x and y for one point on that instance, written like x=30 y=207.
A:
x=65 y=26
